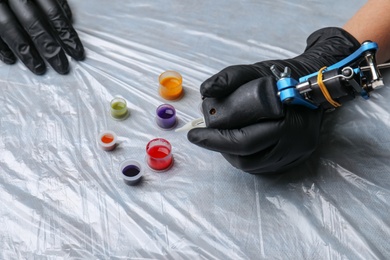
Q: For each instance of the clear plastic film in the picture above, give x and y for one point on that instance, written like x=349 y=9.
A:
x=63 y=197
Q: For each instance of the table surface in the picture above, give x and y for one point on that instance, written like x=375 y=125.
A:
x=63 y=196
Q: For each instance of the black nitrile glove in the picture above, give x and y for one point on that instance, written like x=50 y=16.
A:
x=38 y=30
x=291 y=132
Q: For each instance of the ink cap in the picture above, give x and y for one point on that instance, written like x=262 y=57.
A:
x=118 y=108
x=170 y=85
x=131 y=172
x=107 y=140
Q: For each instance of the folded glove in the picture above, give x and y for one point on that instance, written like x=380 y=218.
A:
x=35 y=31
x=290 y=133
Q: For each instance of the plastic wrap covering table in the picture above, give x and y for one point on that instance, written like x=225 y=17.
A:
x=62 y=196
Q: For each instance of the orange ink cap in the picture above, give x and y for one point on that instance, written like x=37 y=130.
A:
x=170 y=86
x=107 y=140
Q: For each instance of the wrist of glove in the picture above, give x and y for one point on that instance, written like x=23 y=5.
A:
x=277 y=143
x=38 y=31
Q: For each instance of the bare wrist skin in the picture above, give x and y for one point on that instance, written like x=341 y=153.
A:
x=372 y=22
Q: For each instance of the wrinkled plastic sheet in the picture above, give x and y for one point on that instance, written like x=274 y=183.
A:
x=62 y=197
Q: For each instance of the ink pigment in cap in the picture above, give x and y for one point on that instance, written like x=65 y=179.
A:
x=170 y=85
x=166 y=117
x=107 y=140
x=159 y=155
x=131 y=172
x=118 y=108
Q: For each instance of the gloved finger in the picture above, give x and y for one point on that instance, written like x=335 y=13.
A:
x=6 y=54
x=34 y=23
x=228 y=80
x=62 y=26
x=286 y=152
x=244 y=141
x=254 y=101
x=66 y=9
x=18 y=41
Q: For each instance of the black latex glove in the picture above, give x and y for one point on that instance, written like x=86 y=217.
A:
x=291 y=132
x=38 y=30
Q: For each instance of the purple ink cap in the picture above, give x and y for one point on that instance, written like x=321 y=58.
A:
x=131 y=172
x=166 y=116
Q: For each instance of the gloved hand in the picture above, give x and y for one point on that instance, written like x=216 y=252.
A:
x=38 y=30
x=291 y=132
